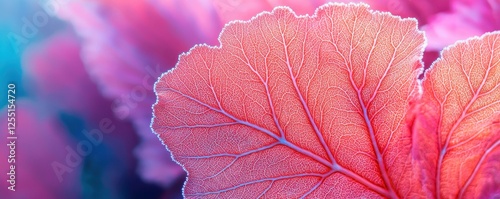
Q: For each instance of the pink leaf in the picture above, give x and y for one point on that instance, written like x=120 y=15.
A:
x=329 y=106
x=296 y=106
x=461 y=101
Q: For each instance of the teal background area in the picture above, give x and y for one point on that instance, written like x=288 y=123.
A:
x=12 y=14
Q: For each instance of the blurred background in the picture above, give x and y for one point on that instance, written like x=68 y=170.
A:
x=84 y=73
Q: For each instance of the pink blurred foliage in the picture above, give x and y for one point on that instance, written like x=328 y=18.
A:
x=126 y=45
x=243 y=10
x=466 y=18
x=39 y=133
x=59 y=80
x=59 y=83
